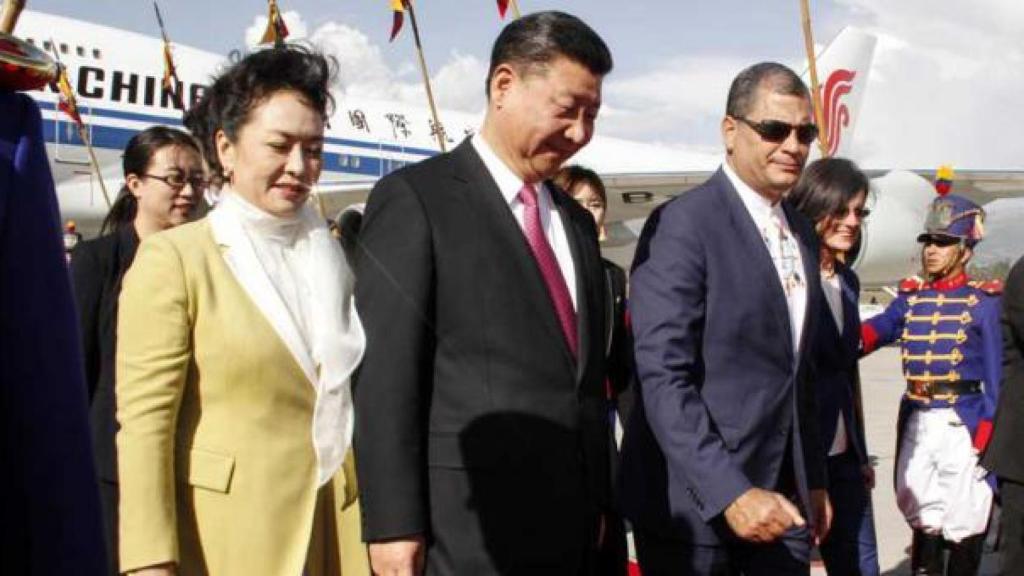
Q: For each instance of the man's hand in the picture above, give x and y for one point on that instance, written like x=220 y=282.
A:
x=869 y=476
x=159 y=570
x=762 y=516
x=402 y=557
x=822 y=515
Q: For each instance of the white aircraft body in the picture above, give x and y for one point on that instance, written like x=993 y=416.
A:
x=117 y=74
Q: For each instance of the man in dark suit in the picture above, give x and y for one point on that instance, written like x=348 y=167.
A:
x=49 y=501
x=481 y=429
x=721 y=462
x=1002 y=456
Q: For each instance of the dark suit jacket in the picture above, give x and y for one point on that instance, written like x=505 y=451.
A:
x=473 y=420
x=97 y=267
x=722 y=397
x=836 y=375
x=49 y=502
x=1003 y=453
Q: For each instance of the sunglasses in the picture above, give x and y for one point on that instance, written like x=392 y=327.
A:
x=777 y=131
x=178 y=181
x=860 y=213
x=940 y=241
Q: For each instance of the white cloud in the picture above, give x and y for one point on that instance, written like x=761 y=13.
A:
x=297 y=28
x=944 y=84
x=364 y=73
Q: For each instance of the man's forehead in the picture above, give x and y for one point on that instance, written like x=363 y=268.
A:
x=770 y=101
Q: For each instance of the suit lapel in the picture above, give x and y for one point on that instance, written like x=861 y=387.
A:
x=481 y=191
x=761 y=265
x=851 y=315
x=241 y=260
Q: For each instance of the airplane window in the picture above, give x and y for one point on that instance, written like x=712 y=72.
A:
x=47 y=45
x=30 y=41
x=63 y=48
x=96 y=53
x=343 y=160
x=355 y=161
x=80 y=51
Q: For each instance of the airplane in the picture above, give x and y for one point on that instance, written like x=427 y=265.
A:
x=117 y=76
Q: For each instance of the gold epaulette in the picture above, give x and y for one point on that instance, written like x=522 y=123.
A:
x=990 y=287
x=911 y=285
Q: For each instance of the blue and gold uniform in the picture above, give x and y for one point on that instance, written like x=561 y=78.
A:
x=951 y=347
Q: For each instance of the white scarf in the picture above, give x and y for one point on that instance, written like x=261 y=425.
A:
x=307 y=268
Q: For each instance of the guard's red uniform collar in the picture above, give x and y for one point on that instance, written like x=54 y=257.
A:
x=946 y=284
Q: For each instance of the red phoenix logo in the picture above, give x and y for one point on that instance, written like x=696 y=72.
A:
x=837 y=114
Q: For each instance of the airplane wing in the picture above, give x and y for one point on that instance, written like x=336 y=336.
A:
x=335 y=196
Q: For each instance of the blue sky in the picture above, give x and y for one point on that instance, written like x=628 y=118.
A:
x=944 y=69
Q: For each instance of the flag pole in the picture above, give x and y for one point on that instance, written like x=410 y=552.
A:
x=69 y=94
x=95 y=163
x=169 y=63
x=11 y=11
x=812 y=66
x=438 y=127
x=514 y=4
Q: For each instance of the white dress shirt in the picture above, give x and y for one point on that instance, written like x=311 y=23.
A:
x=782 y=246
x=554 y=229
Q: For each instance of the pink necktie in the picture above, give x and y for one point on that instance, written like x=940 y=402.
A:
x=548 y=265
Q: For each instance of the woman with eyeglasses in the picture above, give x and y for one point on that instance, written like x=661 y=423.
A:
x=237 y=340
x=587 y=188
x=164 y=178
x=832 y=193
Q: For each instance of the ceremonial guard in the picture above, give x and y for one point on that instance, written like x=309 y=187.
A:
x=948 y=326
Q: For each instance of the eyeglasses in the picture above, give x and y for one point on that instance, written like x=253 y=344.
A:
x=777 y=131
x=940 y=241
x=178 y=181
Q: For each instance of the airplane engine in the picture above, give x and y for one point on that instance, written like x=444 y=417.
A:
x=888 y=248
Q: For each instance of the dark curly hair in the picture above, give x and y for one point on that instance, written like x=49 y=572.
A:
x=246 y=84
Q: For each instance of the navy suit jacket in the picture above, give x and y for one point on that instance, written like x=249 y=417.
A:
x=49 y=500
x=835 y=368
x=724 y=396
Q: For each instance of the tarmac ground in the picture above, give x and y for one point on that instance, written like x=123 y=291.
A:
x=881 y=387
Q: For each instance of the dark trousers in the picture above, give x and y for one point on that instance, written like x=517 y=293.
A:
x=1012 y=525
x=108 y=501
x=851 y=548
x=660 y=556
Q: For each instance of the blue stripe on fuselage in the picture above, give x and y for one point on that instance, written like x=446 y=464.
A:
x=116 y=138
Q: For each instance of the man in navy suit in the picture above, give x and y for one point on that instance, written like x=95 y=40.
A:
x=722 y=462
x=49 y=500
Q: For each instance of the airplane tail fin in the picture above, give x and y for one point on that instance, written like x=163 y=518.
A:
x=843 y=68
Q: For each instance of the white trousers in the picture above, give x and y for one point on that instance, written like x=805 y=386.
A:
x=939 y=486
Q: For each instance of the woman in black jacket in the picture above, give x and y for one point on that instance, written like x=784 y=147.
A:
x=164 y=181
x=586 y=187
x=832 y=193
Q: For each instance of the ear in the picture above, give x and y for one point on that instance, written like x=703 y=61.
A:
x=225 y=152
x=965 y=254
x=729 y=133
x=134 y=184
x=503 y=80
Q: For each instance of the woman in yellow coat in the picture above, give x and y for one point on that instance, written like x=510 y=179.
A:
x=237 y=338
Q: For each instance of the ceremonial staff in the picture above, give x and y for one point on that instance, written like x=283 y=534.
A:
x=170 y=81
x=819 y=117
x=398 y=6
x=69 y=106
x=11 y=10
